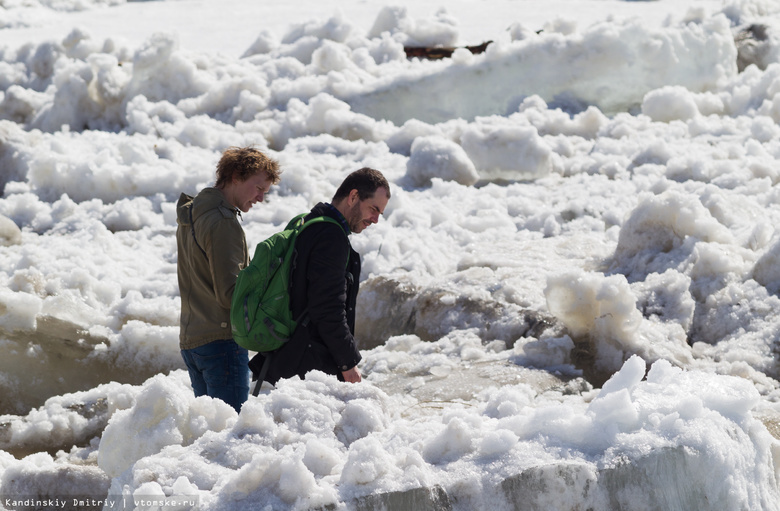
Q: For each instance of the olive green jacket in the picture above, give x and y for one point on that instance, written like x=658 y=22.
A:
x=212 y=249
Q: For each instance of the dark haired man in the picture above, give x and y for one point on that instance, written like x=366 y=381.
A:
x=324 y=283
x=211 y=250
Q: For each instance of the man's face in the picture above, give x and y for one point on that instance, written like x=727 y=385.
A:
x=247 y=193
x=363 y=213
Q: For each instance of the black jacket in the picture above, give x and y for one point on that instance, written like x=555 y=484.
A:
x=324 y=287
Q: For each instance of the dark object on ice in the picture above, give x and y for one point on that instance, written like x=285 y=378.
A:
x=752 y=46
x=436 y=53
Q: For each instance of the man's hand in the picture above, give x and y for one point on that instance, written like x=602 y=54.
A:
x=352 y=375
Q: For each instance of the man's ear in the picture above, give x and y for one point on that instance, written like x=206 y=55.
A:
x=353 y=197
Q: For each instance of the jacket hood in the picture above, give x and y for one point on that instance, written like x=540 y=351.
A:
x=327 y=209
x=321 y=209
x=207 y=199
x=183 y=208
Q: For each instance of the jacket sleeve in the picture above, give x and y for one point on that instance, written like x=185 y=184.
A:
x=327 y=295
x=225 y=247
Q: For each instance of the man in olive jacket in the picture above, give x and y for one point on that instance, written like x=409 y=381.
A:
x=324 y=283
x=211 y=250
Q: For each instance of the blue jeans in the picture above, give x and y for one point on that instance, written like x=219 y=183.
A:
x=219 y=369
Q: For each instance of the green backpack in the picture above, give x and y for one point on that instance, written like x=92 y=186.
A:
x=260 y=309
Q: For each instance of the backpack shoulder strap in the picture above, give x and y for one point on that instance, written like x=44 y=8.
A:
x=324 y=218
x=296 y=221
x=320 y=219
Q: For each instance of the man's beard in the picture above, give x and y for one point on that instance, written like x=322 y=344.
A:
x=354 y=218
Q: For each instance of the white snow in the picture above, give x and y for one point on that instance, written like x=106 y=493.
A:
x=570 y=303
